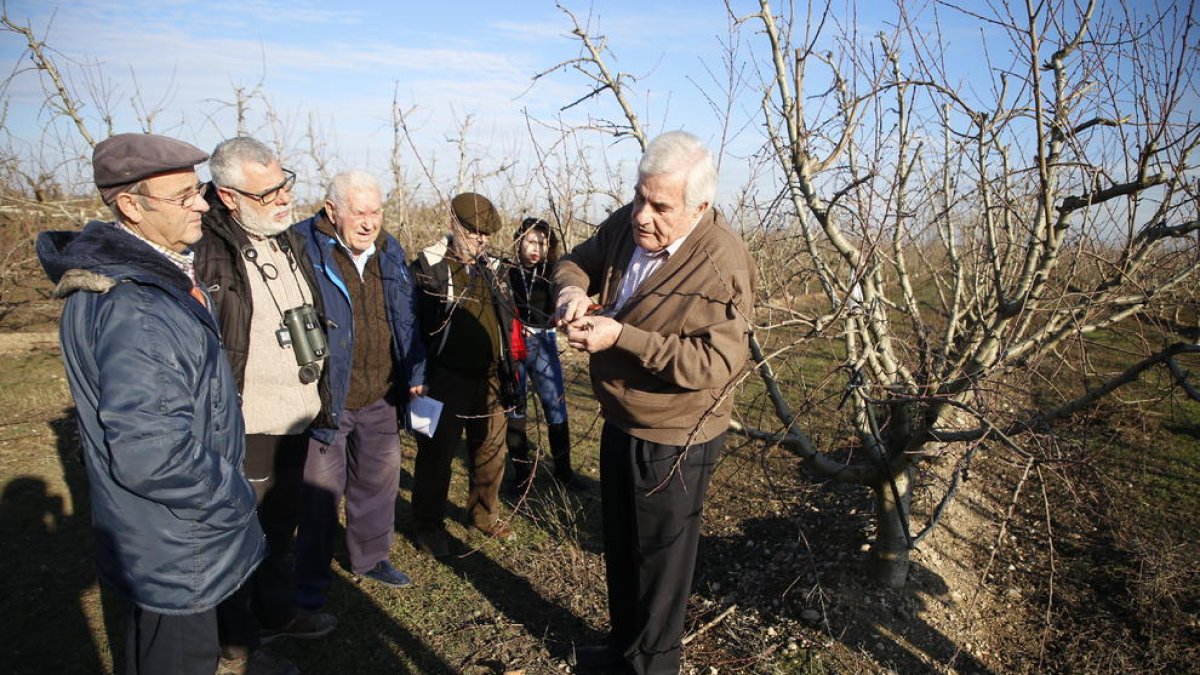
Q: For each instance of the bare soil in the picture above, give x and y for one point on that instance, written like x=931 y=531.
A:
x=15 y=345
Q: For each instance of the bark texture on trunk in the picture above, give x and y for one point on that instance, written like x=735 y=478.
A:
x=889 y=554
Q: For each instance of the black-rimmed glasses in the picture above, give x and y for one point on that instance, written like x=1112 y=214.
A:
x=183 y=201
x=271 y=194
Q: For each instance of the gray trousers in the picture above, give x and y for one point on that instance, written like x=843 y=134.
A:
x=362 y=463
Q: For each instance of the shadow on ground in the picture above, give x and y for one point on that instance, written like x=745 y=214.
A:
x=773 y=567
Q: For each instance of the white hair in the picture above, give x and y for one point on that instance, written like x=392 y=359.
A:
x=230 y=155
x=350 y=181
x=676 y=151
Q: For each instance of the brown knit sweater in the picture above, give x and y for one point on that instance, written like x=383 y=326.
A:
x=371 y=373
x=683 y=343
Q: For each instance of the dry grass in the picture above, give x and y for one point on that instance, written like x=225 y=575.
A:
x=778 y=549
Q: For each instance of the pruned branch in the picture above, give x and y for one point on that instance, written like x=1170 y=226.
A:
x=59 y=98
x=1044 y=419
x=1182 y=378
x=604 y=78
x=1163 y=231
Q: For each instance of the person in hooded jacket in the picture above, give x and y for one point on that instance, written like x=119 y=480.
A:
x=529 y=277
x=156 y=403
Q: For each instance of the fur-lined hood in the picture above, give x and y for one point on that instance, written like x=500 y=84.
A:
x=102 y=254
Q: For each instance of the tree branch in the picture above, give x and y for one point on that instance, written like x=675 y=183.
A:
x=1073 y=203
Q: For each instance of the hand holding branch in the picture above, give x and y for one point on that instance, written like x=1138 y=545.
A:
x=572 y=304
x=593 y=333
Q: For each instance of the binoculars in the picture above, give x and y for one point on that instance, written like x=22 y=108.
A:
x=302 y=332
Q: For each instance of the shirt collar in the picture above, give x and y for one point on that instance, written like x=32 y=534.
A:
x=186 y=261
x=365 y=255
x=664 y=253
x=670 y=250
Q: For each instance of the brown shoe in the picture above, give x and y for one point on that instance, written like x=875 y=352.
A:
x=497 y=530
x=261 y=662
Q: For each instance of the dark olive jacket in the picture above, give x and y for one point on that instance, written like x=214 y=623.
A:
x=437 y=301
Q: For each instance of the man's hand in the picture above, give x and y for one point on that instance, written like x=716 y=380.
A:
x=572 y=304
x=414 y=392
x=593 y=333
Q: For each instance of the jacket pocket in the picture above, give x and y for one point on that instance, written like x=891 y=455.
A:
x=218 y=426
x=652 y=409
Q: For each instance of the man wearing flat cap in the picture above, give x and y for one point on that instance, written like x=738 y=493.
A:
x=473 y=339
x=156 y=405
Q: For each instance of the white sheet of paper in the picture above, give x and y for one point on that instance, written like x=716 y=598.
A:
x=423 y=415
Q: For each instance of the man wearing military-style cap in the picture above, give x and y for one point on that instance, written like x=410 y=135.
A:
x=475 y=213
x=156 y=405
x=473 y=340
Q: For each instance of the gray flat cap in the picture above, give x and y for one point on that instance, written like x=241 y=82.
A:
x=475 y=213
x=120 y=161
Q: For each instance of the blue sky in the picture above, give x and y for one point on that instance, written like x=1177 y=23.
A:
x=337 y=68
x=334 y=68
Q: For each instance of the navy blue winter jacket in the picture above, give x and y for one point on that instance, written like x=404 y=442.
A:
x=159 y=421
x=399 y=297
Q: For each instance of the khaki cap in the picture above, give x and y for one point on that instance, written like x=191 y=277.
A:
x=474 y=212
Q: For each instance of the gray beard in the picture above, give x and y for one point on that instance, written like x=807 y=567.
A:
x=260 y=225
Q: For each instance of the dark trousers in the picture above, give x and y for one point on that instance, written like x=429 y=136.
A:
x=471 y=403
x=652 y=497
x=169 y=644
x=275 y=467
x=362 y=462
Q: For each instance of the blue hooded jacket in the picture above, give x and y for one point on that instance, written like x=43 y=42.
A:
x=162 y=433
x=399 y=297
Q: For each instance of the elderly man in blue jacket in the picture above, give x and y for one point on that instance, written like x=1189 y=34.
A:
x=376 y=363
x=156 y=404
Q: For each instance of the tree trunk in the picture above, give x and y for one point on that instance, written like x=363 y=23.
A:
x=889 y=554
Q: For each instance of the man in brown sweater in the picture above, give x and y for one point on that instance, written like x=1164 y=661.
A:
x=676 y=287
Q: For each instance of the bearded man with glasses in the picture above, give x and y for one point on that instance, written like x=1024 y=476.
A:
x=255 y=268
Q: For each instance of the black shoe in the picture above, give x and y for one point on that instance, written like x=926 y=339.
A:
x=432 y=543
x=305 y=625
x=596 y=657
x=573 y=483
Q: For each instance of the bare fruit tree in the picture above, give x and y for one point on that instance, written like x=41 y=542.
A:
x=971 y=236
x=980 y=252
